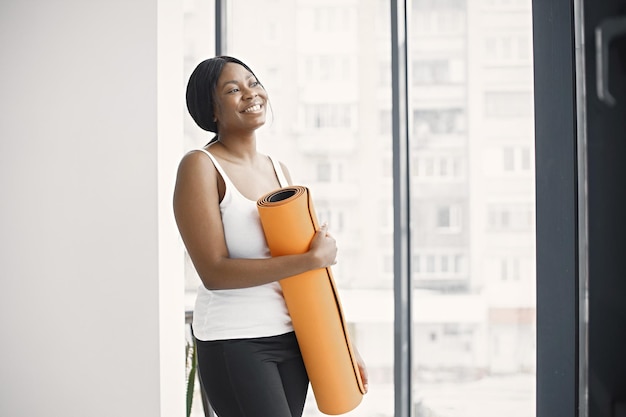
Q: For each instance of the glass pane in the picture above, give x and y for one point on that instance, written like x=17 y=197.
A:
x=472 y=207
x=327 y=69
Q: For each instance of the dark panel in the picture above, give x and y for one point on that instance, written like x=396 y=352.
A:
x=557 y=217
x=606 y=155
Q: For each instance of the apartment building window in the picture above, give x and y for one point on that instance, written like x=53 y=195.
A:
x=385 y=216
x=324 y=171
x=510 y=217
x=501 y=104
x=448 y=218
x=272 y=31
x=416 y=266
x=443 y=265
x=459 y=264
x=386 y=164
x=430 y=264
x=457 y=167
x=516 y=158
x=432 y=167
x=508 y=158
x=332 y=215
x=431 y=72
x=507 y=49
x=384 y=122
x=506 y=4
x=438 y=17
x=429 y=167
x=437 y=71
x=328 y=171
x=328 y=68
x=441 y=165
x=510 y=269
x=382 y=24
x=328 y=115
x=388 y=264
x=332 y=19
x=440 y=121
x=384 y=74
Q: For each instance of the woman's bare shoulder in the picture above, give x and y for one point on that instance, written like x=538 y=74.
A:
x=195 y=160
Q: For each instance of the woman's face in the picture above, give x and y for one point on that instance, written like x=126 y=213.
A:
x=240 y=101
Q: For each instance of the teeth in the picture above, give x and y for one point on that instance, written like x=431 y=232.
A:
x=256 y=107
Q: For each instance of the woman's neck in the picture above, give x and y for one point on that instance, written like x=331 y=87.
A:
x=236 y=148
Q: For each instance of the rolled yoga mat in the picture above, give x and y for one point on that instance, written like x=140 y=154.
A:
x=289 y=223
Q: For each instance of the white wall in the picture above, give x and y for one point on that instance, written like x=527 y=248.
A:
x=91 y=295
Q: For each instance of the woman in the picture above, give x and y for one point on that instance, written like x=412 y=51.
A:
x=248 y=357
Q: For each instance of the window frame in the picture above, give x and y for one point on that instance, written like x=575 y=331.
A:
x=558 y=212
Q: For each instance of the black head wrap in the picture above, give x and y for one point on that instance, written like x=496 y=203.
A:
x=201 y=88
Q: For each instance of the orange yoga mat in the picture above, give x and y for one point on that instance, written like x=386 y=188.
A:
x=289 y=223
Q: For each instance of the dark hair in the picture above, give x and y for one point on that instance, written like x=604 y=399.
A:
x=201 y=89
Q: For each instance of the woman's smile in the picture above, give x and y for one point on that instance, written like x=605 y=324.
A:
x=253 y=108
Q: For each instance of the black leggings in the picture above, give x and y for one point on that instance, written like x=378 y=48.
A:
x=259 y=377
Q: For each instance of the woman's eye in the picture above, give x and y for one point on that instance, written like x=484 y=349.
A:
x=234 y=90
x=255 y=83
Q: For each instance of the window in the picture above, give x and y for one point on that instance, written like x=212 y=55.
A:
x=455 y=160
x=438 y=17
x=431 y=72
x=512 y=217
x=508 y=104
x=449 y=218
x=384 y=74
x=437 y=167
x=328 y=115
x=507 y=49
x=330 y=214
x=326 y=68
x=510 y=269
x=328 y=19
x=516 y=159
x=439 y=265
x=384 y=125
x=442 y=121
x=324 y=172
x=506 y=4
x=346 y=43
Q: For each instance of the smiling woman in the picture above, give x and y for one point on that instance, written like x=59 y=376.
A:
x=240 y=93
x=248 y=357
x=204 y=82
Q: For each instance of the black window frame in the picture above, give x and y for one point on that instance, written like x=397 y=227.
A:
x=559 y=347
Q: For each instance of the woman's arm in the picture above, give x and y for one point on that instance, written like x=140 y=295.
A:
x=197 y=213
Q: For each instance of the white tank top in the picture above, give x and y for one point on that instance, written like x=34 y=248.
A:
x=244 y=312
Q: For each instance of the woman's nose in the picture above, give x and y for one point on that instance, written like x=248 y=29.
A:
x=249 y=93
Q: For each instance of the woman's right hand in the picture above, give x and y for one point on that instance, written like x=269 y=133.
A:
x=323 y=248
